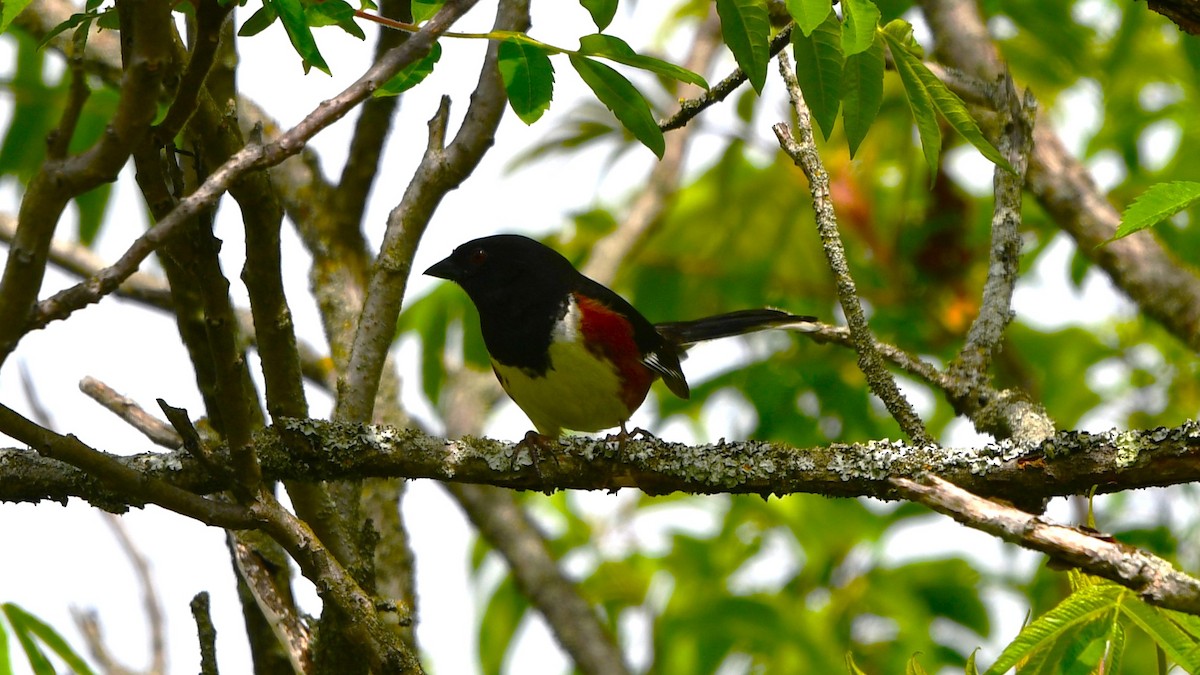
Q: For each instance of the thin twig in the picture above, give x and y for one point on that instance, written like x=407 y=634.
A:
x=129 y=410
x=694 y=106
x=804 y=153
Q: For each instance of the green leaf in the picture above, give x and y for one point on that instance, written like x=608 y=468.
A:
x=19 y=620
x=809 y=14
x=616 y=49
x=9 y=9
x=424 y=10
x=623 y=99
x=1176 y=643
x=48 y=637
x=412 y=75
x=258 y=21
x=862 y=92
x=1156 y=204
x=1075 y=610
x=971 y=668
x=746 y=29
x=898 y=33
x=5 y=661
x=913 y=667
x=335 y=13
x=919 y=101
x=852 y=667
x=602 y=11
x=71 y=22
x=819 y=66
x=1114 y=649
x=109 y=19
x=291 y=13
x=528 y=78
x=92 y=206
x=500 y=621
x=858 y=28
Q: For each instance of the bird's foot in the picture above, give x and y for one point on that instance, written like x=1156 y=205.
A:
x=625 y=435
x=535 y=443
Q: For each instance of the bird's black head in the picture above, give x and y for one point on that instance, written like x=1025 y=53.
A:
x=491 y=268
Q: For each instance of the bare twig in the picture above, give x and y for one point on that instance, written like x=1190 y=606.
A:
x=804 y=153
x=82 y=262
x=129 y=410
x=88 y=623
x=1155 y=580
x=207 y=634
x=694 y=106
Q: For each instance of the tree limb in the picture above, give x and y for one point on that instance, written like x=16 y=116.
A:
x=1068 y=463
x=1154 y=579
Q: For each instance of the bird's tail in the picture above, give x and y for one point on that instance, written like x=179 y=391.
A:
x=684 y=333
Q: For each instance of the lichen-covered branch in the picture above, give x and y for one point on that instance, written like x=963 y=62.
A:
x=803 y=151
x=1065 y=464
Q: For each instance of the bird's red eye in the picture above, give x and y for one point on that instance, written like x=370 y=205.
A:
x=478 y=257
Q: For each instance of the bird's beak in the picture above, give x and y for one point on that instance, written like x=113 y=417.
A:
x=446 y=269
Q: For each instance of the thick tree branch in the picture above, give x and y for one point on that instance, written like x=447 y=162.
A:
x=1155 y=580
x=803 y=152
x=1067 y=463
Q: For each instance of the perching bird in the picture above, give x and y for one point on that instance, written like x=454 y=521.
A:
x=571 y=353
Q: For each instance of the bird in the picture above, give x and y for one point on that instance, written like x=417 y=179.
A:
x=570 y=352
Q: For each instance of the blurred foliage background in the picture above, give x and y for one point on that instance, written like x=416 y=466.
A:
x=794 y=584
x=745 y=584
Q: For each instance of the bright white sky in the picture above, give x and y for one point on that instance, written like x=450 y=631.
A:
x=56 y=558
